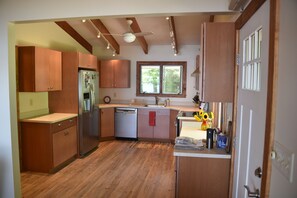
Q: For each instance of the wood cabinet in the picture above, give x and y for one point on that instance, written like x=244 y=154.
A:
x=114 y=74
x=161 y=129
x=172 y=125
x=40 y=69
x=106 y=123
x=217 y=61
x=47 y=147
x=202 y=177
x=66 y=101
x=87 y=61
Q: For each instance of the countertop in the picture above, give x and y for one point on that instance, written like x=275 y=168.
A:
x=51 y=118
x=178 y=108
x=192 y=129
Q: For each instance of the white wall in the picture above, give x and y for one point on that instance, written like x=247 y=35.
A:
x=285 y=131
x=156 y=53
x=15 y=10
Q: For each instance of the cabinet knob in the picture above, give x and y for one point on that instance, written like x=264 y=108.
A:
x=59 y=124
x=66 y=133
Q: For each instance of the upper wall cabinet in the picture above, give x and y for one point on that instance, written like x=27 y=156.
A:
x=217 y=61
x=87 y=61
x=114 y=74
x=40 y=69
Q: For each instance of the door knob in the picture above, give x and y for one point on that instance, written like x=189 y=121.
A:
x=258 y=172
x=252 y=194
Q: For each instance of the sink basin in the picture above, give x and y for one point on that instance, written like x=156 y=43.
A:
x=154 y=106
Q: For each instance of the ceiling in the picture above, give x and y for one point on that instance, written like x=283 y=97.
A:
x=187 y=30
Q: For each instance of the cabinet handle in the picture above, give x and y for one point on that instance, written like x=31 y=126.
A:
x=70 y=120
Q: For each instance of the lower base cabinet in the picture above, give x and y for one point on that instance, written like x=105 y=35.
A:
x=202 y=177
x=159 y=130
x=106 y=124
x=47 y=147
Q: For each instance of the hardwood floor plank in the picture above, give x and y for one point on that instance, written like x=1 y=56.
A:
x=115 y=169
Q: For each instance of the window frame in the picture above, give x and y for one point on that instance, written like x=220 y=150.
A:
x=161 y=64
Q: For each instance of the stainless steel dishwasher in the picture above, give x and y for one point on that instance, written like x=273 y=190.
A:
x=126 y=122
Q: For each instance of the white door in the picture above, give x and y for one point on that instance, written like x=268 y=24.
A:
x=251 y=109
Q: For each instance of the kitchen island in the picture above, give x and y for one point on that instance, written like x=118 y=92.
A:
x=201 y=172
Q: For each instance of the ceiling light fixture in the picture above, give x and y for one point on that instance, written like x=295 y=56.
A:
x=99 y=35
x=172 y=34
x=129 y=37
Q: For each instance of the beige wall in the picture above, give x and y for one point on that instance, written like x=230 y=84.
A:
x=42 y=34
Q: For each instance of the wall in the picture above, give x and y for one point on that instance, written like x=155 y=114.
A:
x=15 y=10
x=156 y=53
x=285 y=128
x=42 y=34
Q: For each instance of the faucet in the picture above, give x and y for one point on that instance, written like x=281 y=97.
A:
x=156 y=100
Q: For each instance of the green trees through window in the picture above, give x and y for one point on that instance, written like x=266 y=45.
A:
x=161 y=79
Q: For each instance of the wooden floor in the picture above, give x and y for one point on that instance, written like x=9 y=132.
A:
x=115 y=169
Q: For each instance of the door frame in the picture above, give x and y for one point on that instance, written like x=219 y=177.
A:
x=273 y=55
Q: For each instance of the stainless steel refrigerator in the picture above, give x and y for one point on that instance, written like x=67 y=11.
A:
x=88 y=90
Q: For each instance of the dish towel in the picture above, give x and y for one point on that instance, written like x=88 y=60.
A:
x=152 y=118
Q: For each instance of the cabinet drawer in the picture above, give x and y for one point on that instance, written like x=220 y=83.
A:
x=63 y=124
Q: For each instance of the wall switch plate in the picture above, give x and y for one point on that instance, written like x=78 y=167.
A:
x=284 y=160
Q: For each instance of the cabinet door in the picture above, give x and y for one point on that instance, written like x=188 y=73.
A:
x=107 y=122
x=55 y=67
x=39 y=69
x=64 y=145
x=161 y=130
x=121 y=73
x=106 y=74
x=42 y=69
x=172 y=127
x=218 y=43
x=88 y=61
x=143 y=127
x=202 y=177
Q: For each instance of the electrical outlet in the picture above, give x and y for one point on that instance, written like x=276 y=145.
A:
x=284 y=160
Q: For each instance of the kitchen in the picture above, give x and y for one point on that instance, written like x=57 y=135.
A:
x=157 y=52
x=42 y=105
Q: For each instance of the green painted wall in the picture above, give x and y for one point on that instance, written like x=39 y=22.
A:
x=49 y=35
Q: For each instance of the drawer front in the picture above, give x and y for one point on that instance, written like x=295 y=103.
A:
x=63 y=124
x=64 y=145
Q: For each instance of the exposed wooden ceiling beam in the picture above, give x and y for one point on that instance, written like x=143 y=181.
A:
x=75 y=35
x=104 y=31
x=136 y=29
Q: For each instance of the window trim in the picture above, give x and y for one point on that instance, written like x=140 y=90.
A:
x=161 y=64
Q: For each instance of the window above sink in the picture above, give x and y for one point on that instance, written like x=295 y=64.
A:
x=165 y=79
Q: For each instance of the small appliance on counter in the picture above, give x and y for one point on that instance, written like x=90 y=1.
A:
x=209 y=138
